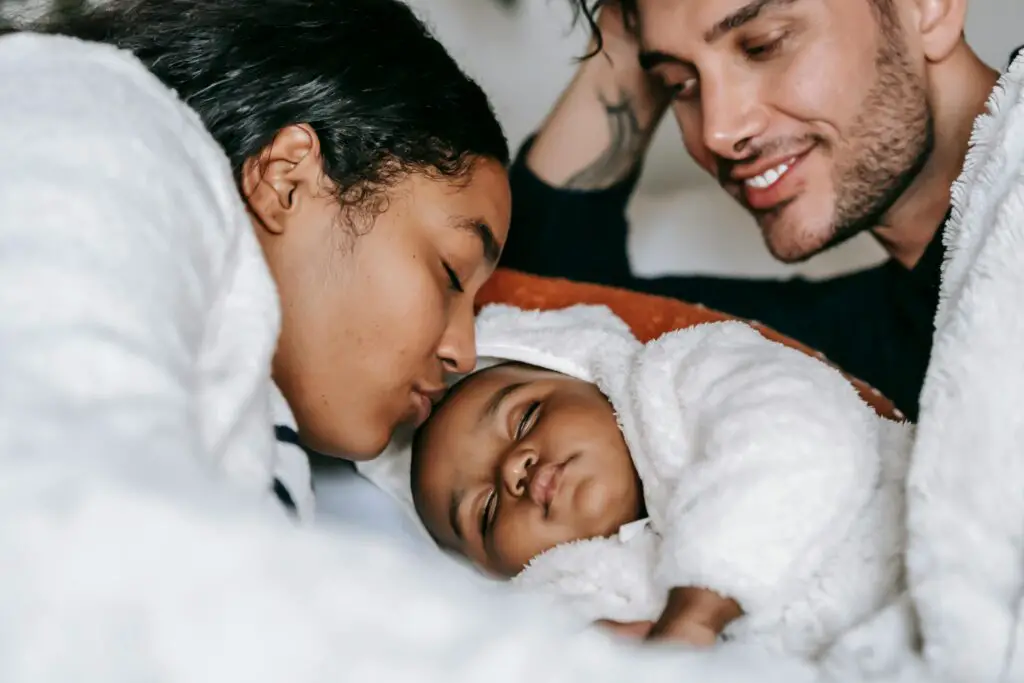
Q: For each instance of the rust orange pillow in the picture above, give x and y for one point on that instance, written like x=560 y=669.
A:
x=647 y=315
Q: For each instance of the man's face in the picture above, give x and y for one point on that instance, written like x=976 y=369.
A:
x=811 y=113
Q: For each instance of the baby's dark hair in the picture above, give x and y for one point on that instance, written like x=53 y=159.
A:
x=382 y=94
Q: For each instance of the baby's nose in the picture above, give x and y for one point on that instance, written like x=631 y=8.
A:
x=516 y=471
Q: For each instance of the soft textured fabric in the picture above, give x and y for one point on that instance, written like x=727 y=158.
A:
x=138 y=315
x=965 y=502
x=966 y=515
x=766 y=477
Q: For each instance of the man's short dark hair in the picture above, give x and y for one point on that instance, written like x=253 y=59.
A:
x=382 y=94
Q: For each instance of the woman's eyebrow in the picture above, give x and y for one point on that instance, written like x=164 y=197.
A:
x=495 y=401
x=479 y=227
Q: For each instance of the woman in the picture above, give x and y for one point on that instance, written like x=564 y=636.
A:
x=374 y=204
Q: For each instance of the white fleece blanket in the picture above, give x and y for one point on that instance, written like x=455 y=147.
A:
x=966 y=517
x=965 y=491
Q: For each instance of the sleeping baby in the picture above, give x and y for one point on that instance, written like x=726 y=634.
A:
x=620 y=477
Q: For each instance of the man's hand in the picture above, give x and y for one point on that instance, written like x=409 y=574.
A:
x=696 y=616
x=602 y=125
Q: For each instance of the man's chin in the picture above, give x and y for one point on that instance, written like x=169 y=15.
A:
x=788 y=242
x=793 y=249
x=791 y=255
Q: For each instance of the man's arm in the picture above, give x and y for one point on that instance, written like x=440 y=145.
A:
x=602 y=125
x=571 y=183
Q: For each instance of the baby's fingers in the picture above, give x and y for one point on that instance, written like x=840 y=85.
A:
x=627 y=629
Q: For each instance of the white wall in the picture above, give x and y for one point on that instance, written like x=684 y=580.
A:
x=682 y=221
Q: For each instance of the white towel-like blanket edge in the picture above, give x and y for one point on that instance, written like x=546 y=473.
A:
x=966 y=483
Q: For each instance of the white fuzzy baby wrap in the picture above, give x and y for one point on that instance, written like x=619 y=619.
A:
x=766 y=477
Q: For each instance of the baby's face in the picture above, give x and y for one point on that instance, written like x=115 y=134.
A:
x=520 y=460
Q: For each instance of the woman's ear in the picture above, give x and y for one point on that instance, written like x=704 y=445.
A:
x=940 y=24
x=278 y=182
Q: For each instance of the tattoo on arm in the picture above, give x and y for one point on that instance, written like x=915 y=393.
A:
x=626 y=145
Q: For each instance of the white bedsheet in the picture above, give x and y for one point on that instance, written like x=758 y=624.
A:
x=345 y=497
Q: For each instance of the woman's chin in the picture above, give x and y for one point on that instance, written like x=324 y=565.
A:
x=361 y=441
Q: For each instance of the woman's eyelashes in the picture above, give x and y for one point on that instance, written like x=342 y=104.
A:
x=453 y=278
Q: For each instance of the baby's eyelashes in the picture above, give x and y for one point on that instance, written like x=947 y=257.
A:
x=488 y=511
x=527 y=420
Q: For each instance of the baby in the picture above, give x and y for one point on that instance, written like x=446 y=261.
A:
x=621 y=477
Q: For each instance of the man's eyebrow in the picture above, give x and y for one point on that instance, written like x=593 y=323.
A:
x=453 y=513
x=479 y=227
x=494 y=402
x=744 y=15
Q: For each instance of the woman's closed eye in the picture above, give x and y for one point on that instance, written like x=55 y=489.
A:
x=453 y=278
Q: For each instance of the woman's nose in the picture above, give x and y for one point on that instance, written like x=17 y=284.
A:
x=515 y=470
x=457 y=349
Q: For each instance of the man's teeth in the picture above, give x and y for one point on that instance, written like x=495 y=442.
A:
x=768 y=178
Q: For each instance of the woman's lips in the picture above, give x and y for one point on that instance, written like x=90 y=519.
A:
x=423 y=401
x=421 y=407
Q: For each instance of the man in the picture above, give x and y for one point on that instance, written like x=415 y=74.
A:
x=824 y=119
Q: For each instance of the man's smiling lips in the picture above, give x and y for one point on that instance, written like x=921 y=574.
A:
x=768 y=184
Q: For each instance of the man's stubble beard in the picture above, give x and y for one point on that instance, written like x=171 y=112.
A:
x=888 y=145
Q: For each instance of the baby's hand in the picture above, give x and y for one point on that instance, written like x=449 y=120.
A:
x=695 y=616
x=627 y=629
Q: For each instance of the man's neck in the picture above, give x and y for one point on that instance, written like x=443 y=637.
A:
x=958 y=91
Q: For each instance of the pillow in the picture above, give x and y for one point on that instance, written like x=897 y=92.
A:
x=647 y=316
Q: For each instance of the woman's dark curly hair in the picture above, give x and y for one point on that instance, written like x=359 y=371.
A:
x=382 y=94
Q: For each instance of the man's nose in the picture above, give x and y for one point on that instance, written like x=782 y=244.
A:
x=733 y=114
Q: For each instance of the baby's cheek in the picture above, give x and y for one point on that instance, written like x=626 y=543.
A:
x=596 y=513
x=520 y=542
x=517 y=541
